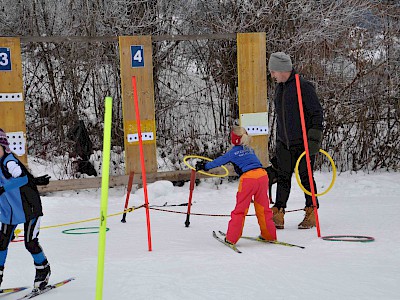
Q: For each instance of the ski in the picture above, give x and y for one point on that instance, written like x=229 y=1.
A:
x=272 y=242
x=258 y=239
x=233 y=247
x=37 y=292
x=12 y=290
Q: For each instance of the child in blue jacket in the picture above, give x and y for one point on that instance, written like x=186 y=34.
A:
x=253 y=185
x=20 y=204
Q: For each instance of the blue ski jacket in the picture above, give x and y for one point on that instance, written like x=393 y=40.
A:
x=21 y=200
x=243 y=159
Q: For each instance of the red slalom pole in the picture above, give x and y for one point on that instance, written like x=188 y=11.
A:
x=191 y=188
x=130 y=182
x=303 y=126
x=135 y=97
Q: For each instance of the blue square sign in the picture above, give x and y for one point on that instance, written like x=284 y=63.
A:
x=5 y=59
x=137 y=56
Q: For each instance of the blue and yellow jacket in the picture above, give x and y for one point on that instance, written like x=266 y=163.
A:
x=21 y=201
x=243 y=159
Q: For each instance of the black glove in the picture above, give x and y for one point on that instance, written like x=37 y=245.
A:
x=314 y=140
x=1 y=190
x=201 y=166
x=42 y=180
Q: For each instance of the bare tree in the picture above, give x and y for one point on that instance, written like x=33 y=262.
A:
x=349 y=49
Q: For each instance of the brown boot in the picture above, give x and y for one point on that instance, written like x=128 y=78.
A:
x=278 y=218
x=309 y=219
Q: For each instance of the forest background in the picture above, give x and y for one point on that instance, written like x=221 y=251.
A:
x=349 y=49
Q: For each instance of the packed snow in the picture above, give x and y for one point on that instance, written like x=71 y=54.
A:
x=188 y=263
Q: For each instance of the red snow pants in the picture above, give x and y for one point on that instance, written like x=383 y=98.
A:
x=253 y=185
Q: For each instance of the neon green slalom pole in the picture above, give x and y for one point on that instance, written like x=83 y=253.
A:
x=104 y=197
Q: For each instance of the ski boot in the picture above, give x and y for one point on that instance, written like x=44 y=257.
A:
x=42 y=275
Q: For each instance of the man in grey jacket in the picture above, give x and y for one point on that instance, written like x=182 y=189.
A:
x=289 y=137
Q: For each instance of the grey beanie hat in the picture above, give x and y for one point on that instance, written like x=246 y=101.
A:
x=280 y=62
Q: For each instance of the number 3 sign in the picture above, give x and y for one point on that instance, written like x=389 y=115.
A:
x=137 y=56
x=5 y=59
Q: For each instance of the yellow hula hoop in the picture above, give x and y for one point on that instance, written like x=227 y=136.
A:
x=296 y=171
x=203 y=172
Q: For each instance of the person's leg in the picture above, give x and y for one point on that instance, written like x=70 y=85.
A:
x=309 y=220
x=284 y=181
x=284 y=161
x=238 y=215
x=32 y=245
x=303 y=174
x=6 y=232
x=263 y=212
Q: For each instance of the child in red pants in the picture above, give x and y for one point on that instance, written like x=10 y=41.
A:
x=253 y=185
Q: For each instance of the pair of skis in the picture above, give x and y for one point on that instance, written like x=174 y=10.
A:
x=221 y=238
x=34 y=292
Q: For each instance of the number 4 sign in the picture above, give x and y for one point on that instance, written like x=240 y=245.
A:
x=5 y=59
x=137 y=56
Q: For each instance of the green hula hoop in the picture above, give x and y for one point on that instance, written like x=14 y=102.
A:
x=73 y=230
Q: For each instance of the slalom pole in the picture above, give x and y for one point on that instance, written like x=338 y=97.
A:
x=135 y=98
x=191 y=188
x=305 y=140
x=104 y=196
x=128 y=193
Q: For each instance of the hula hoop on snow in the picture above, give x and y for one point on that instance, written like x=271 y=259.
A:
x=296 y=171
x=17 y=241
x=348 y=238
x=203 y=172
x=75 y=230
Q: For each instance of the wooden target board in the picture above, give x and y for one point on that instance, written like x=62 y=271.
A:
x=12 y=106
x=136 y=60
x=252 y=90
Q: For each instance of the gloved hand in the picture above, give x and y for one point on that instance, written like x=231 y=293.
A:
x=314 y=140
x=1 y=190
x=42 y=180
x=201 y=166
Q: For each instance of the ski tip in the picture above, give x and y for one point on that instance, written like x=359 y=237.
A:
x=68 y=280
x=13 y=290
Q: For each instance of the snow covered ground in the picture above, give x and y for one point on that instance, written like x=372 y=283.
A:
x=187 y=263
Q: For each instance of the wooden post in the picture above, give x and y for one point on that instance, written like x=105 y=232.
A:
x=136 y=60
x=12 y=108
x=252 y=87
